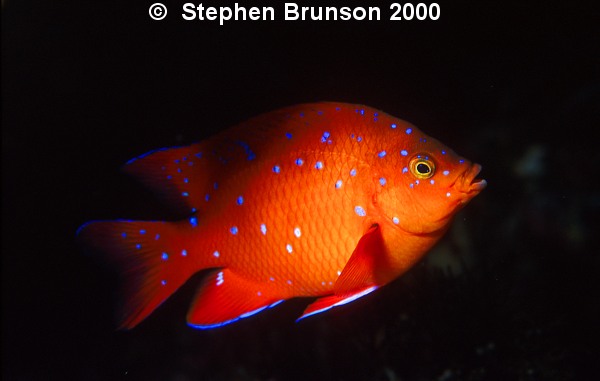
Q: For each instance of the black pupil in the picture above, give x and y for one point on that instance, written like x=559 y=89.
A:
x=423 y=168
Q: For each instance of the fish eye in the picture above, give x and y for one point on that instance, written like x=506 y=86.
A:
x=421 y=167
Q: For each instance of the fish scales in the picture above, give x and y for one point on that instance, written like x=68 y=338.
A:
x=310 y=189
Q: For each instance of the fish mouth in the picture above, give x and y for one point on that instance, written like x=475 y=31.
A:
x=469 y=183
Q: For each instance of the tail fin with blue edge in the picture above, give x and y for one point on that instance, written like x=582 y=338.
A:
x=151 y=257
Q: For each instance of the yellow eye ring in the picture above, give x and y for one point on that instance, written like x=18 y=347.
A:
x=421 y=167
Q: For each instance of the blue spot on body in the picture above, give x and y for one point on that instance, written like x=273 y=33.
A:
x=142 y=231
x=446 y=173
x=138 y=246
x=156 y=237
x=186 y=180
x=395 y=220
x=299 y=161
x=216 y=254
x=240 y=200
x=403 y=152
x=353 y=172
x=124 y=235
x=408 y=131
x=190 y=163
x=432 y=181
x=382 y=181
x=443 y=152
x=199 y=155
x=246 y=146
x=381 y=154
x=194 y=221
x=263 y=229
x=319 y=165
x=289 y=248
x=359 y=210
x=338 y=184
x=185 y=194
x=288 y=135
x=276 y=169
x=216 y=185
x=234 y=230
x=461 y=161
x=411 y=185
x=164 y=256
x=184 y=252
x=362 y=112
x=359 y=139
x=405 y=169
x=163 y=282
x=394 y=125
x=206 y=197
x=169 y=177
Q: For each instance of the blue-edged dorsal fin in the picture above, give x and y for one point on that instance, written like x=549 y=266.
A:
x=177 y=174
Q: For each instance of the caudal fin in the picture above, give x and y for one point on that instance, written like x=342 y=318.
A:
x=151 y=257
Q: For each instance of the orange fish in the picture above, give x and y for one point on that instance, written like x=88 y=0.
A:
x=324 y=200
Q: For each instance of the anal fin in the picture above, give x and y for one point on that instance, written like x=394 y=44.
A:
x=226 y=297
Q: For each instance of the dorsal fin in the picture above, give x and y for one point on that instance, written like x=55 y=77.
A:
x=174 y=173
x=187 y=176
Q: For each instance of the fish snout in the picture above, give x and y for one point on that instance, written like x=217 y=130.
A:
x=469 y=183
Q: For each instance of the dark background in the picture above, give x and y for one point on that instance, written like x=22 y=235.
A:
x=510 y=293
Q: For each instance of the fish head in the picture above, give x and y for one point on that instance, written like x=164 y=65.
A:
x=429 y=184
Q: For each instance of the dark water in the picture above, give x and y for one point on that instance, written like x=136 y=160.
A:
x=511 y=293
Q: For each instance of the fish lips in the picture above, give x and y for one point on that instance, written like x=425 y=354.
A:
x=468 y=182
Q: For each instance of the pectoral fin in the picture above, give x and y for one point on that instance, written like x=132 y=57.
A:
x=368 y=260
x=360 y=276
